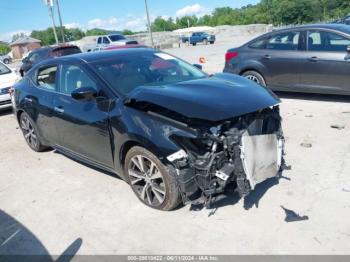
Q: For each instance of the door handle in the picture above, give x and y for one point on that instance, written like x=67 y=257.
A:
x=267 y=57
x=59 y=110
x=27 y=99
x=313 y=59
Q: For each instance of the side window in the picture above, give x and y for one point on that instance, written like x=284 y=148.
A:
x=46 y=77
x=327 y=42
x=105 y=40
x=314 y=41
x=259 y=44
x=99 y=40
x=34 y=57
x=284 y=41
x=73 y=77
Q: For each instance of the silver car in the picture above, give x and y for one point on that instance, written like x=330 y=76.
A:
x=309 y=58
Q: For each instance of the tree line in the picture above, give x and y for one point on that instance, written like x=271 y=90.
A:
x=276 y=12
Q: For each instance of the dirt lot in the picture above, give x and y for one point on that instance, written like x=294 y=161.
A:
x=61 y=201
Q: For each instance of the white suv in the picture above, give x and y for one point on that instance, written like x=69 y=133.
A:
x=8 y=78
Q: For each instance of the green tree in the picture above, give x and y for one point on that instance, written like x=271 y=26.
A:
x=4 y=49
x=17 y=36
x=161 y=24
x=96 y=31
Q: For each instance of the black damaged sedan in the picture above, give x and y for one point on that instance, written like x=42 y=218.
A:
x=174 y=133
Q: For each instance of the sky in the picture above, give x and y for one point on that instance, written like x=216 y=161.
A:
x=27 y=15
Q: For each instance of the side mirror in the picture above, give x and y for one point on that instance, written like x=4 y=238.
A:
x=25 y=60
x=84 y=93
x=348 y=49
x=200 y=67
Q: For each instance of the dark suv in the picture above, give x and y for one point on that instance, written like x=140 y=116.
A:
x=41 y=54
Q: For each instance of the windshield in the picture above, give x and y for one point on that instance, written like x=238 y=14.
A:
x=4 y=69
x=128 y=71
x=115 y=38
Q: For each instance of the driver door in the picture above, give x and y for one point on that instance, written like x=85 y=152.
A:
x=82 y=126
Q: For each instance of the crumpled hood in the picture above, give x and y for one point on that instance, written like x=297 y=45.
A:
x=216 y=98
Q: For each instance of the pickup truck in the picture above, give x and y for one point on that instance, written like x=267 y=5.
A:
x=112 y=40
x=199 y=37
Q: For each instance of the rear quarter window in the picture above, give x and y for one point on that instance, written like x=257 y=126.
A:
x=258 y=44
x=66 y=51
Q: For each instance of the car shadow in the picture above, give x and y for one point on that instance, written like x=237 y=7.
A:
x=231 y=196
x=313 y=97
x=18 y=243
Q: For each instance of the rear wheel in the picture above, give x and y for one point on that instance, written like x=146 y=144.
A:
x=6 y=61
x=211 y=42
x=150 y=180
x=255 y=77
x=30 y=133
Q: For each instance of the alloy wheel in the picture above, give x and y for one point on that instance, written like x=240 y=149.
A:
x=253 y=78
x=29 y=132
x=146 y=180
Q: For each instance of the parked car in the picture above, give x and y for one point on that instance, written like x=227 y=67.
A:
x=114 y=47
x=113 y=40
x=167 y=128
x=7 y=80
x=40 y=54
x=6 y=59
x=345 y=20
x=310 y=58
x=199 y=37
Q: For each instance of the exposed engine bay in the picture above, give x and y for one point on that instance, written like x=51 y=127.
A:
x=241 y=153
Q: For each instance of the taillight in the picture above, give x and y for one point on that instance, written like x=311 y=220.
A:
x=230 y=55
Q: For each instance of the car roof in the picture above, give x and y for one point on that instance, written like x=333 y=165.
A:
x=90 y=57
x=49 y=48
x=338 y=27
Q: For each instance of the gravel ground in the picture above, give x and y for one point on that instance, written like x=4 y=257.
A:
x=58 y=202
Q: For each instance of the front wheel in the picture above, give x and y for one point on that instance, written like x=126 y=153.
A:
x=6 y=61
x=150 y=180
x=255 y=77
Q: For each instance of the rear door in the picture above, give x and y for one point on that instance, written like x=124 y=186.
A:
x=38 y=103
x=83 y=126
x=326 y=65
x=281 y=59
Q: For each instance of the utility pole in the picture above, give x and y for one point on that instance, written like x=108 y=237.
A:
x=60 y=19
x=49 y=3
x=149 y=24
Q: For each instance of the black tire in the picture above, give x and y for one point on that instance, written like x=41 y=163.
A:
x=211 y=42
x=30 y=133
x=148 y=192
x=255 y=77
x=6 y=61
x=205 y=41
x=194 y=44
